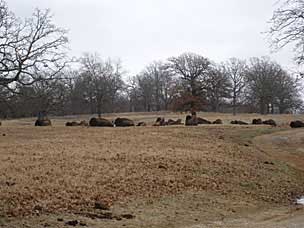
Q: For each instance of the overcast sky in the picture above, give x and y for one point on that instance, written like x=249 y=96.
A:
x=141 y=31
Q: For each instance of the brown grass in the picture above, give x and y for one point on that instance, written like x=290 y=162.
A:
x=64 y=169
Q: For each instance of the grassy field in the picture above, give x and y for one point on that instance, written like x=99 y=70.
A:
x=173 y=176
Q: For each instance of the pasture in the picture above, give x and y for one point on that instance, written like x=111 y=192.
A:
x=171 y=176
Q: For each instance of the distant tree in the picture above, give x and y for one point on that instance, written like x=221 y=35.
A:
x=236 y=71
x=102 y=81
x=29 y=47
x=269 y=86
x=218 y=87
x=287 y=27
x=192 y=69
x=159 y=79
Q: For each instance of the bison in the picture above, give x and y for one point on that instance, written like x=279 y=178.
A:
x=123 y=122
x=141 y=124
x=191 y=120
x=238 y=122
x=43 y=122
x=202 y=121
x=296 y=124
x=100 y=122
x=174 y=122
x=257 y=122
x=74 y=124
x=218 y=121
x=270 y=122
x=160 y=121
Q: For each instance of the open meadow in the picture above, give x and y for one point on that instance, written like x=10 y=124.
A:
x=171 y=176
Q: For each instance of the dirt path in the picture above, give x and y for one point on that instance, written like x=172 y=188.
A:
x=286 y=146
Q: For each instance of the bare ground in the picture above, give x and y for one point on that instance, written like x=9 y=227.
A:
x=217 y=176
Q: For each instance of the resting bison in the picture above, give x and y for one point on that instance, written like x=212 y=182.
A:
x=160 y=122
x=123 y=122
x=74 y=124
x=174 y=122
x=257 y=122
x=238 y=122
x=202 y=121
x=270 y=122
x=43 y=122
x=218 y=121
x=141 y=124
x=296 y=124
x=191 y=120
x=100 y=122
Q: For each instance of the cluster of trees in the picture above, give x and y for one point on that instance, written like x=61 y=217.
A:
x=185 y=82
x=34 y=76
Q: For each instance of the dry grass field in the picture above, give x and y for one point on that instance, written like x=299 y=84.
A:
x=172 y=176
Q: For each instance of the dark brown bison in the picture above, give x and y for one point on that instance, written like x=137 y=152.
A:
x=141 y=124
x=174 y=122
x=202 y=121
x=296 y=124
x=257 y=122
x=123 y=122
x=270 y=122
x=100 y=122
x=218 y=121
x=160 y=121
x=191 y=120
x=43 y=122
x=74 y=124
x=238 y=122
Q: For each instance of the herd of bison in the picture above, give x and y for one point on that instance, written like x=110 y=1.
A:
x=191 y=120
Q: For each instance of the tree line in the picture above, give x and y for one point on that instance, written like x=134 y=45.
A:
x=35 y=77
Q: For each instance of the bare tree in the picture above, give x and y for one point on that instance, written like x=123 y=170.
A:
x=236 y=71
x=287 y=27
x=102 y=79
x=192 y=68
x=28 y=47
x=218 y=87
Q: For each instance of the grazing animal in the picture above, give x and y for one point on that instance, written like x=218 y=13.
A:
x=141 y=124
x=191 y=120
x=160 y=121
x=238 y=122
x=202 y=121
x=296 y=124
x=270 y=122
x=174 y=122
x=218 y=121
x=43 y=122
x=100 y=122
x=123 y=122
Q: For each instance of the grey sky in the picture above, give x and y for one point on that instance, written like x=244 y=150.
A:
x=141 y=31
